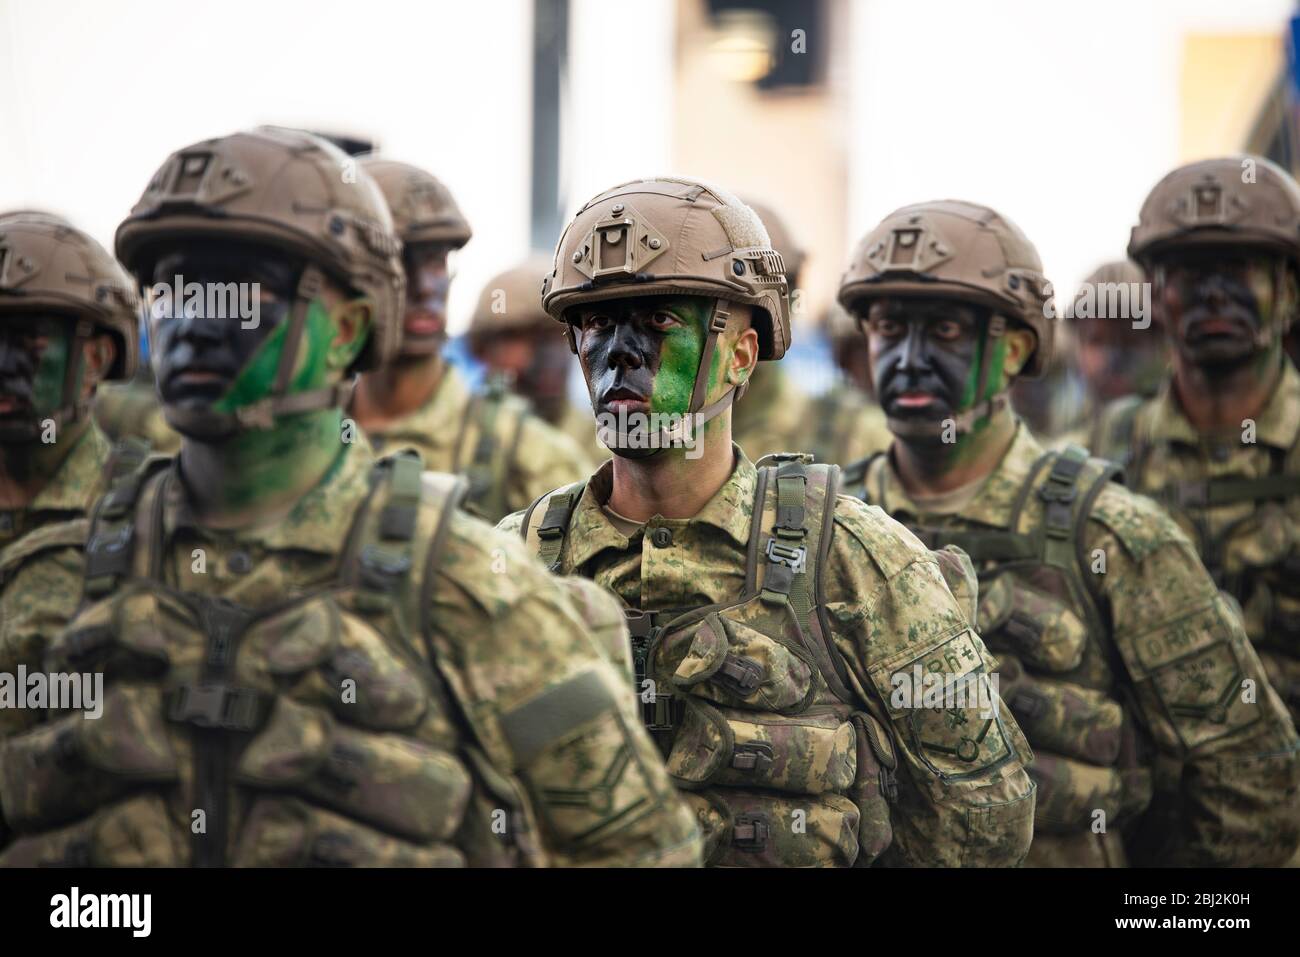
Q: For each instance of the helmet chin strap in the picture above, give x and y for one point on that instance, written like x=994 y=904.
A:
x=206 y=423
x=962 y=422
x=641 y=445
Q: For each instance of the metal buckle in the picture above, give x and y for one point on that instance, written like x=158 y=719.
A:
x=794 y=557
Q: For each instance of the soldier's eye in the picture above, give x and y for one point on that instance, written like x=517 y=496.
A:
x=946 y=330
x=885 y=326
x=595 y=321
x=662 y=320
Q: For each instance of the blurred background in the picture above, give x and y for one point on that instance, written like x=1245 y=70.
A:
x=832 y=112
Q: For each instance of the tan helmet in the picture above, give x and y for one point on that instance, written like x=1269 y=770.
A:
x=47 y=264
x=783 y=241
x=423 y=208
x=510 y=301
x=1232 y=200
x=293 y=191
x=960 y=250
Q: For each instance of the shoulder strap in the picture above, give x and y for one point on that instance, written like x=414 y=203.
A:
x=126 y=455
x=377 y=553
x=545 y=539
x=69 y=534
x=1113 y=435
x=854 y=476
x=111 y=540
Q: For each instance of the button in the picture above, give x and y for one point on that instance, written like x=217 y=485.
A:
x=661 y=537
x=238 y=563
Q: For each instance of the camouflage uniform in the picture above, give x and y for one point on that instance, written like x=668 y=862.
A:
x=1236 y=495
x=1122 y=662
x=509 y=455
x=131 y=410
x=768 y=628
x=777 y=416
x=375 y=679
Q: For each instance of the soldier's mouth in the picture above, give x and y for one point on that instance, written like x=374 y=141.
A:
x=915 y=399
x=625 y=400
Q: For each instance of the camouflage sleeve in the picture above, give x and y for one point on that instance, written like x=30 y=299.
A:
x=963 y=798
x=550 y=709
x=513 y=523
x=1227 y=777
x=544 y=459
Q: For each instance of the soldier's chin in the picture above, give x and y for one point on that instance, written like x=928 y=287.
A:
x=196 y=419
x=421 y=347
x=20 y=428
x=918 y=427
x=1220 y=353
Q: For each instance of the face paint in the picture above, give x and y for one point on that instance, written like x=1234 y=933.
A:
x=34 y=355
x=925 y=356
x=257 y=378
x=1221 y=305
x=198 y=359
x=642 y=354
x=428 y=281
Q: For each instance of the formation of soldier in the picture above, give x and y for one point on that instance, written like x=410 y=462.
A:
x=886 y=626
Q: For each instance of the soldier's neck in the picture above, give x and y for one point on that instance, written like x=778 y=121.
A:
x=27 y=467
x=671 y=483
x=934 y=468
x=396 y=391
x=259 y=475
x=1220 y=400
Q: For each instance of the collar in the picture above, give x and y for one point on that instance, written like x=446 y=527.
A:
x=991 y=505
x=318 y=522
x=1278 y=425
x=591 y=531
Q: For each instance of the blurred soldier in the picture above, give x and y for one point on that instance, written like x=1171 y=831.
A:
x=778 y=415
x=131 y=410
x=845 y=423
x=1117 y=653
x=512 y=335
x=509 y=455
x=1219 y=444
x=1118 y=348
x=68 y=316
x=309 y=656
x=772 y=620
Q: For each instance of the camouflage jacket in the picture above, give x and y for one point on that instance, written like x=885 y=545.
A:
x=132 y=410
x=1124 y=666
x=779 y=769
x=509 y=455
x=1238 y=498
x=775 y=415
x=376 y=679
x=40 y=567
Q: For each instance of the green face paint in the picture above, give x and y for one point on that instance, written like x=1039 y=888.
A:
x=51 y=367
x=680 y=354
x=256 y=380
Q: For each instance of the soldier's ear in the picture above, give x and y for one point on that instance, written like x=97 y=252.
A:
x=1020 y=345
x=99 y=353
x=744 y=348
x=351 y=330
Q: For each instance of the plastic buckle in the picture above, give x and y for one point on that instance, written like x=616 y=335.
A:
x=750 y=832
x=215 y=706
x=793 y=557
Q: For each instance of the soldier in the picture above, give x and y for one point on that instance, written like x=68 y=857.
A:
x=512 y=335
x=1117 y=653
x=1219 y=444
x=773 y=621
x=779 y=416
x=130 y=410
x=68 y=317
x=1119 y=351
x=310 y=656
x=508 y=455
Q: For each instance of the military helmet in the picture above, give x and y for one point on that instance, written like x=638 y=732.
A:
x=510 y=301
x=783 y=241
x=48 y=265
x=423 y=208
x=959 y=250
x=282 y=188
x=1232 y=200
x=670 y=236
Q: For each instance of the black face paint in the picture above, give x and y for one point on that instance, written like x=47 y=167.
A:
x=924 y=353
x=196 y=357
x=34 y=356
x=1218 y=304
x=428 y=281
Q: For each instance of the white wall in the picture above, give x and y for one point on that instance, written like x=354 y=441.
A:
x=94 y=95
x=1060 y=115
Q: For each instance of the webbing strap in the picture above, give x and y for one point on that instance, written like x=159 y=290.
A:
x=555 y=525
x=397 y=519
x=1207 y=493
x=994 y=544
x=786 y=579
x=1058 y=493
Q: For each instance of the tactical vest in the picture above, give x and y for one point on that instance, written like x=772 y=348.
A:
x=1039 y=615
x=310 y=732
x=749 y=700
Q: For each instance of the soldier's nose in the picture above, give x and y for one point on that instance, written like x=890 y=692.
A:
x=624 y=350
